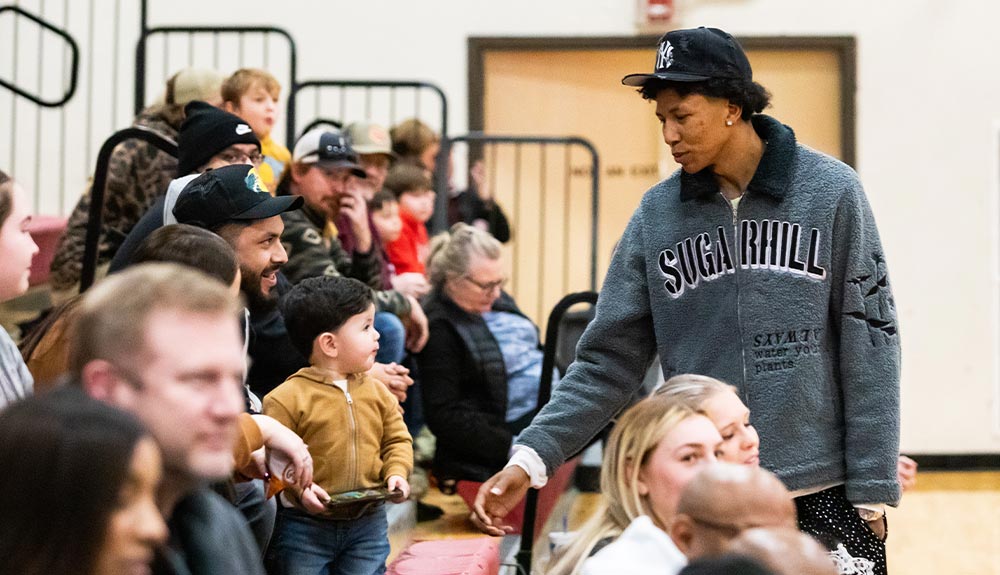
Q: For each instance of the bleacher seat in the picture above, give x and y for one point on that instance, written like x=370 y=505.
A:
x=476 y=556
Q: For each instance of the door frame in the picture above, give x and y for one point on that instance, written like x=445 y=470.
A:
x=844 y=47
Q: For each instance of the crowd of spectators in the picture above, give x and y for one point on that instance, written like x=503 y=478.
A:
x=273 y=329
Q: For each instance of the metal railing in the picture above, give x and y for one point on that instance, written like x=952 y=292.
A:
x=218 y=47
x=549 y=188
x=49 y=107
x=383 y=101
x=69 y=90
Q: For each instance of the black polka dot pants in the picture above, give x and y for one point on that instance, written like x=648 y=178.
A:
x=833 y=521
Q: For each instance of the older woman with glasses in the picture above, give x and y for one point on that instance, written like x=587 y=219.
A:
x=482 y=363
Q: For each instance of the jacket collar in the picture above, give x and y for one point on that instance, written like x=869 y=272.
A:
x=773 y=172
x=314 y=216
x=317 y=375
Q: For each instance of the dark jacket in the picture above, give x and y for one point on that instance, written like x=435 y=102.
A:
x=468 y=207
x=312 y=255
x=273 y=356
x=208 y=536
x=464 y=386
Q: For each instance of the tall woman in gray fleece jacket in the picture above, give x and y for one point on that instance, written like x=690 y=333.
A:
x=757 y=263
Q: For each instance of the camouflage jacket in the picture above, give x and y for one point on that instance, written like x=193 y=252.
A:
x=311 y=255
x=138 y=174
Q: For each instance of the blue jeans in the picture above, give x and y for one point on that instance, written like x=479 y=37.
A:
x=308 y=545
x=392 y=338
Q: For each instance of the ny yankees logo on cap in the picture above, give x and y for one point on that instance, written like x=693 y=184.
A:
x=664 y=55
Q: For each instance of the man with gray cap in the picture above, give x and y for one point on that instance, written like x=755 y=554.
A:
x=372 y=144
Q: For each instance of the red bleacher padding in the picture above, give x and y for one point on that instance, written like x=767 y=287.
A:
x=45 y=230
x=548 y=496
x=476 y=556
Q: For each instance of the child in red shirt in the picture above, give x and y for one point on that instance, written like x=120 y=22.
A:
x=412 y=186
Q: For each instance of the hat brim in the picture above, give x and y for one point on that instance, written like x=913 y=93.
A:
x=639 y=80
x=375 y=150
x=270 y=207
x=356 y=169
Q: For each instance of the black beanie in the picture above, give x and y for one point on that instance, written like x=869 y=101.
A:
x=206 y=131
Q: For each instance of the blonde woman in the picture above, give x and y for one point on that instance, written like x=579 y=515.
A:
x=655 y=449
x=720 y=403
x=740 y=444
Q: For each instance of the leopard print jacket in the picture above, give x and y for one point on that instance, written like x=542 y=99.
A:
x=138 y=174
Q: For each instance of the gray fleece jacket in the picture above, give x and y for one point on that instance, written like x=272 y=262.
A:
x=786 y=297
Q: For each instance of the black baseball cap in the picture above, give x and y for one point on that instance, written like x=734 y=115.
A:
x=230 y=193
x=695 y=55
x=327 y=147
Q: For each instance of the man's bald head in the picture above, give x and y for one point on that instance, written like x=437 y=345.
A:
x=785 y=551
x=722 y=501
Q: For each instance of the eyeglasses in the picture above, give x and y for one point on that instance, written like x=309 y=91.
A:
x=487 y=287
x=233 y=157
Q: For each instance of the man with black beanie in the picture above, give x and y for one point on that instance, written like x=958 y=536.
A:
x=208 y=132
x=209 y=138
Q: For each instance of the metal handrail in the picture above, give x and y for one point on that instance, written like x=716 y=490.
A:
x=97 y=191
x=140 y=53
x=74 y=69
x=416 y=84
x=321 y=122
x=440 y=221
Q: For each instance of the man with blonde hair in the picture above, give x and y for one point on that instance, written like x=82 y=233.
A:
x=163 y=342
